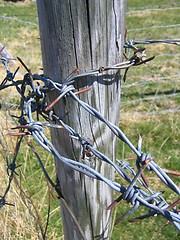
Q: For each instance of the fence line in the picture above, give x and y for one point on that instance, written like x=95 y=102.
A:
x=152 y=98
x=152 y=113
x=154 y=7
x=157 y=81
x=151 y=81
x=142 y=83
x=131 y=193
x=18 y=20
x=168 y=55
x=154 y=27
x=131 y=12
x=36 y=101
x=9 y=18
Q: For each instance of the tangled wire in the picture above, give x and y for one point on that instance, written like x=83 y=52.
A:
x=34 y=103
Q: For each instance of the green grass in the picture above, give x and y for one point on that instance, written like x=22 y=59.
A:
x=22 y=11
x=160 y=137
x=160 y=132
x=20 y=33
x=138 y=4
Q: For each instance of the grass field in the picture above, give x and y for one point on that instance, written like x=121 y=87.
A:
x=156 y=119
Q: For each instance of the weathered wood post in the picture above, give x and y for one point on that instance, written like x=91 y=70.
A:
x=84 y=34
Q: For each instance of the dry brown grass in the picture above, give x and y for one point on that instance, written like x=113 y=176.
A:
x=27 y=219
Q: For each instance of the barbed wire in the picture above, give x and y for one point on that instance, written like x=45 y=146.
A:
x=35 y=102
x=152 y=98
x=19 y=20
x=131 y=42
x=11 y=170
x=155 y=7
x=157 y=81
x=158 y=95
x=150 y=113
x=154 y=27
x=131 y=12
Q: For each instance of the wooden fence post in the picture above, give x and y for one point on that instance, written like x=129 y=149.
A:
x=84 y=34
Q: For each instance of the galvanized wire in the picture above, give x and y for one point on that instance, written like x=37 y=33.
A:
x=137 y=192
x=154 y=27
x=131 y=43
x=150 y=113
x=131 y=12
x=19 y=20
x=152 y=98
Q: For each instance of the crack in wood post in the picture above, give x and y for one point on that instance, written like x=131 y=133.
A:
x=82 y=33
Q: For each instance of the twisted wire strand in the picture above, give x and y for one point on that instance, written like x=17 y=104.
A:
x=133 y=194
x=127 y=196
x=131 y=43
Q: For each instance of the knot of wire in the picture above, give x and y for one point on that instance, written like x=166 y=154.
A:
x=138 y=191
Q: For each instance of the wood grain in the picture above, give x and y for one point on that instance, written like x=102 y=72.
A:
x=85 y=34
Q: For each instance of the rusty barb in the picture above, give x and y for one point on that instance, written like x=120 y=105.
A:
x=138 y=58
x=139 y=53
x=33 y=90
